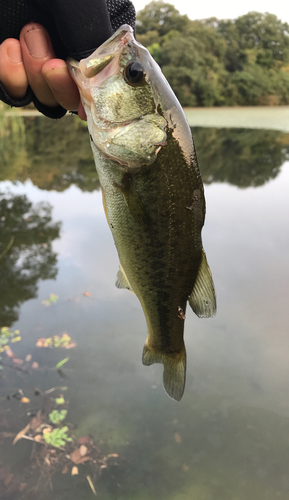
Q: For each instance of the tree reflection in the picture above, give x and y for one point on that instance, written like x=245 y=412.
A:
x=60 y=154
x=12 y=144
x=56 y=154
x=26 y=256
x=242 y=157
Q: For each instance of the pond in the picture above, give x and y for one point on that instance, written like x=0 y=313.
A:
x=228 y=438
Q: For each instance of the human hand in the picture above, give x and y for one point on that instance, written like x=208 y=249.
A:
x=31 y=61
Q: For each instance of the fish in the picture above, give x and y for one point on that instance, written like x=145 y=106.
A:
x=152 y=192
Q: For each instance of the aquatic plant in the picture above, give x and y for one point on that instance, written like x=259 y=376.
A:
x=57 y=416
x=58 y=437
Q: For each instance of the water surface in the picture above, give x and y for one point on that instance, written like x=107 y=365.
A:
x=228 y=437
x=257 y=117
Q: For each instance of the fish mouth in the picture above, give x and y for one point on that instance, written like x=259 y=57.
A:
x=104 y=55
x=103 y=63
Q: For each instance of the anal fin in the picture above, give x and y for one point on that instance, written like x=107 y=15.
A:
x=203 y=297
x=122 y=281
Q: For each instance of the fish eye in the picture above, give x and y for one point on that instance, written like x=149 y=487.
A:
x=134 y=73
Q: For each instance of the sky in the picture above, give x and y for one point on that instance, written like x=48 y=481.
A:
x=225 y=9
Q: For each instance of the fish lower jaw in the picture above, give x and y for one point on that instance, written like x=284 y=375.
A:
x=133 y=143
x=124 y=165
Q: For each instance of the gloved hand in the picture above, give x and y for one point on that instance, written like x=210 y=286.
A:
x=74 y=28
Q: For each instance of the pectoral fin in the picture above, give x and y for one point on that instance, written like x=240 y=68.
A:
x=122 y=281
x=203 y=298
x=133 y=200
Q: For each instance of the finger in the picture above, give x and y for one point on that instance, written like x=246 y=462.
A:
x=37 y=49
x=61 y=84
x=12 y=71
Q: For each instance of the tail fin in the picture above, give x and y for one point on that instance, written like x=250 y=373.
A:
x=174 y=376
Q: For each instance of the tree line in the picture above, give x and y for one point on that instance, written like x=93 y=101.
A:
x=212 y=62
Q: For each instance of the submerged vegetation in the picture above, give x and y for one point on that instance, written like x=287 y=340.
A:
x=56 y=447
x=213 y=62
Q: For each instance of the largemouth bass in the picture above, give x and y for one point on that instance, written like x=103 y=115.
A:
x=152 y=191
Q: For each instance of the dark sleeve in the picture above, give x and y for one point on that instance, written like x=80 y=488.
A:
x=76 y=28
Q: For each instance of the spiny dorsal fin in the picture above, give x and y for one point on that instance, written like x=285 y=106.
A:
x=203 y=298
x=174 y=376
x=122 y=281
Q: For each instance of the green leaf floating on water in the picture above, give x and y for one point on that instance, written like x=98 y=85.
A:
x=57 y=437
x=57 y=416
x=64 y=341
x=7 y=336
x=60 y=401
x=61 y=363
x=52 y=298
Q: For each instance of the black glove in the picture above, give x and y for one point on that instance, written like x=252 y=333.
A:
x=76 y=29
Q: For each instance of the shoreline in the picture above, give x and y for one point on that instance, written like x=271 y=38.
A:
x=254 y=117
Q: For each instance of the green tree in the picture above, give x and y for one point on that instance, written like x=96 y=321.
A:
x=235 y=56
x=265 y=32
x=214 y=62
x=161 y=17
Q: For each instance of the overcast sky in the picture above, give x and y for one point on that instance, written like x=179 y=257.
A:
x=225 y=9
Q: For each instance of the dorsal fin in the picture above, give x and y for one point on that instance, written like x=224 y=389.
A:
x=203 y=298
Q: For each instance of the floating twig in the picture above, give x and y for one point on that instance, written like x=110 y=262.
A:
x=91 y=485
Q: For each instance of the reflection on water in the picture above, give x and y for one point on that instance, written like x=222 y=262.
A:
x=227 y=439
x=242 y=157
x=54 y=156
x=26 y=254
